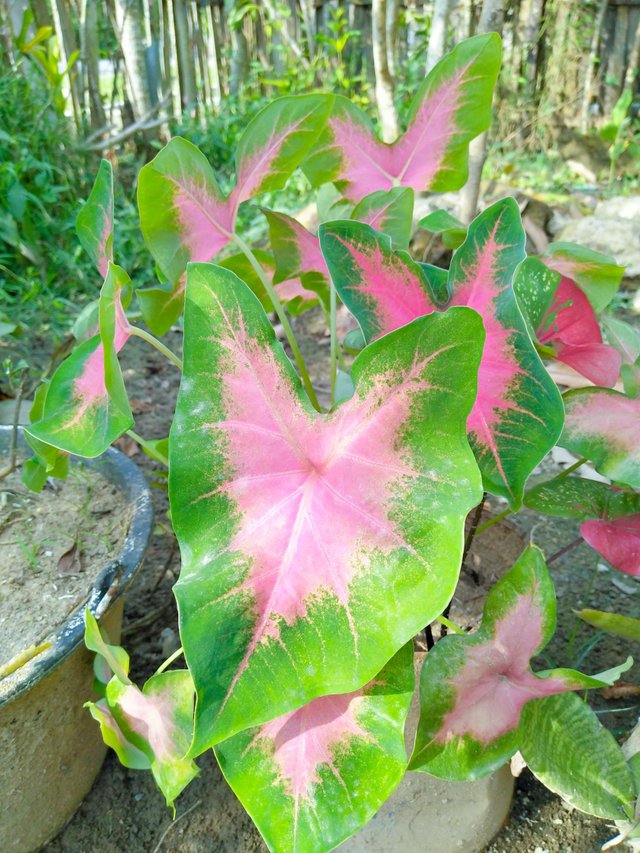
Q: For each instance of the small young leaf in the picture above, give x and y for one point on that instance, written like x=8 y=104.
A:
x=86 y=406
x=473 y=687
x=94 y=224
x=604 y=426
x=570 y=752
x=313 y=777
x=356 y=513
x=161 y=305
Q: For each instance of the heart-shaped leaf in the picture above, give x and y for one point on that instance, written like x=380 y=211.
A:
x=185 y=217
x=573 y=754
x=517 y=416
x=473 y=687
x=575 y=497
x=296 y=528
x=94 y=223
x=452 y=105
x=604 y=426
x=161 y=305
x=597 y=275
x=149 y=729
x=313 y=777
x=86 y=406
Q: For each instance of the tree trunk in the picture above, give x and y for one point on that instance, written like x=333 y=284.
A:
x=591 y=62
x=41 y=14
x=438 y=32
x=491 y=20
x=132 y=36
x=634 y=61
x=384 y=80
x=67 y=47
x=214 y=66
x=184 y=52
x=616 y=67
x=530 y=47
x=239 y=60
x=393 y=13
x=91 y=60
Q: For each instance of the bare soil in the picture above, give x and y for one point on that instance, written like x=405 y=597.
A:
x=52 y=547
x=125 y=812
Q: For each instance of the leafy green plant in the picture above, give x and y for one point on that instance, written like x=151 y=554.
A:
x=318 y=539
x=620 y=132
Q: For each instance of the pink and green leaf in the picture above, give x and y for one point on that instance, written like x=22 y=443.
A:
x=604 y=426
x=517 y=415
x=617 y=540
x=184 y=215
x=597 y=275
x=149 y=729
x=357 y=512
x=570 y=326
x=94 y=223
x=450 y=108
x=86 y=405
x=276 y=141
x=301 y=277
x=473 y=687
x=313 y=777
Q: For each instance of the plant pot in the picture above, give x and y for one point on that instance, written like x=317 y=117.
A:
x=51 y=748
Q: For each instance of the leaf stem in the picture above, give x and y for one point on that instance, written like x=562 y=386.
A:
x=496 y=518
x=565 y=550
x=450 y=625
x=282 y=316
x=166 y=352
x=169 y=660
x=334 y=341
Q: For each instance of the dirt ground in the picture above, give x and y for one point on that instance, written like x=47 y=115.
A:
x=125 y=812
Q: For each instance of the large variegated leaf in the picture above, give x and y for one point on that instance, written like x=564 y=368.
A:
x=597 y=275
x=473 y=687
x=149 y=729
x=573 y=754
x=517 y=416
x=314 y=546
x=313 y=777
x=452 y=105
x=86 y=405
x=185 y=217
x=94 y=224
x=604 y=426
x=47 y=461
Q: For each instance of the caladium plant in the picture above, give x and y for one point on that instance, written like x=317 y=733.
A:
x=320 y=535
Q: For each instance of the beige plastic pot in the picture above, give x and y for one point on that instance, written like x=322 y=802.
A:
x=50 y=748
